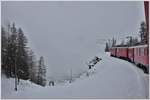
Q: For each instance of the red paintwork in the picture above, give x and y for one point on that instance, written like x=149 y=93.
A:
x=137 y=54
x=134 y=54
x=141 y=56
x=131 y=54
x=122 y=52
x=146 y=9
x=113 y=51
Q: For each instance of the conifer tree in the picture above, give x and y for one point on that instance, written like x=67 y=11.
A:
x=42 y=72
x=32 y=65
x=11 y=52
x=22 y=56
x=107 y=47
x=142 y=32
x=3 y=49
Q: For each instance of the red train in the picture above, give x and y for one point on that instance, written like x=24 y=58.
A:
x=136 y=54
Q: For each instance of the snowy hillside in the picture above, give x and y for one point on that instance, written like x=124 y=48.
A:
x=112 y=78
x=66 y=34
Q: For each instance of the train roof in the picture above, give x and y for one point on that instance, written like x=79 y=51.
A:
x=119 y=47
x=137 y=46
x=145 y=45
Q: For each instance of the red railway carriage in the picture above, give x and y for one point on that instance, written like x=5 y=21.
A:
x=137 y=54
x=131 y=54
x=122 y=52
x=113 y=51
x=141 y=55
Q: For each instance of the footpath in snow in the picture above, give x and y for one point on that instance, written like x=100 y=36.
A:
x=113 y=78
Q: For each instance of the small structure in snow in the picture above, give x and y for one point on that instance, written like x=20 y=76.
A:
x=51 y=83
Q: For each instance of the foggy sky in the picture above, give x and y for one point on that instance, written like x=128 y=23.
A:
x=68 y=33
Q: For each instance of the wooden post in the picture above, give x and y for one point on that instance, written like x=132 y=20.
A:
x=15 y=76
x=70 y=76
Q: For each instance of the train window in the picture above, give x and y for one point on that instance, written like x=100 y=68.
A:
x=142 y=51
x=117 y=50
x=137 y=51
x=145 y=51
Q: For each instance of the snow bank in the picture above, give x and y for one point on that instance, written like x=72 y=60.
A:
x=112 y=78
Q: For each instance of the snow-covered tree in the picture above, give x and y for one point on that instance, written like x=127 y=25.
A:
x=11 y=52
x=135 y=41
x=107 y=47
x=32 y=65
x=18 y=60
x=122 y=43
x=22 y=56
x=130 y=40
x=142 y=32
x=113 y=42
x=109 y=43
x=42 y=72
x=3 y=49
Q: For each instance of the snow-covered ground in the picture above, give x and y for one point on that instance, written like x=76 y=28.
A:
x=112 y=78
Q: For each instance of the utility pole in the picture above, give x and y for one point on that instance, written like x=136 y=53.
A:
x=15 y=76
x=15 y=71
x=70 y=76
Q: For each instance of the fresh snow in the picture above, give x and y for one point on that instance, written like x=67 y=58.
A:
x=110 y=78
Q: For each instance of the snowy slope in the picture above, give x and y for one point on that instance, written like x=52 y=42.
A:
x=113 y=78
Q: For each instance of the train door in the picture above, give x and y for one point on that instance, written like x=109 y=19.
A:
x=115 y=52
x=127 y=55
